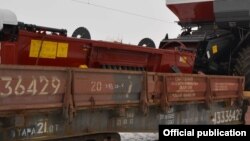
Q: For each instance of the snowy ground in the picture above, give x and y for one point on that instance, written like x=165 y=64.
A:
x=139 y=136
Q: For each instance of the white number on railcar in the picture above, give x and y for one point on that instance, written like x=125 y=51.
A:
x=19 y=86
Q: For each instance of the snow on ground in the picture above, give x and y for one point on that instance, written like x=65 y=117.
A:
x=139 y=136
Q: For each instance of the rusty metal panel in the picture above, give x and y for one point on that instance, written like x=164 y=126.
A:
x=95 y=87
x=185 y=87
x=154 y=87
x=39 y=88
x=223 y=87
x=31 y=87
x=91 y=100
x=190 y=88
x=176 y=87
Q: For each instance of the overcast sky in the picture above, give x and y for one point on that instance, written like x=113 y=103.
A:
x=126 y=20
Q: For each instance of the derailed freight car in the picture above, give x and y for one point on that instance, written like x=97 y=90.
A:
x=55 y=103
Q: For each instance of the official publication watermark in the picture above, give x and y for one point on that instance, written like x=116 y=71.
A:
x=207 y=133
x=198 y=132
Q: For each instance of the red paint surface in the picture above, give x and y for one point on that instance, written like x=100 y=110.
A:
x=193 y=12
x=95 y=54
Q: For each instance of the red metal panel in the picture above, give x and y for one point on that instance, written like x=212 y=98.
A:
x=125 y=58
x=100 y=87
x=154 y=87
x=185 y=87
x=190 y=88
x=77 y=51
x=226 y=87
x=193 y=11
x=8 y=53
x=36 y=87
x=31 y=88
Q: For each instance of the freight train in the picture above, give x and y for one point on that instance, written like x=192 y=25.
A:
x=55 y=87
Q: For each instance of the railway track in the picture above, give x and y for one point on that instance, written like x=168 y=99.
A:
x=92 y=137
x=125 y=136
